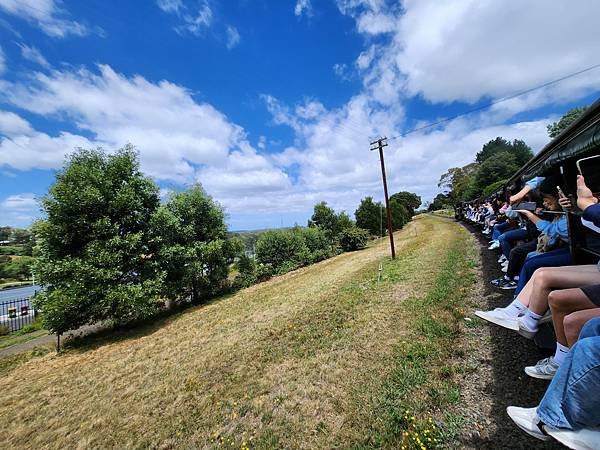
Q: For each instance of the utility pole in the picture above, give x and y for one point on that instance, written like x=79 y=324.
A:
x=378 y=145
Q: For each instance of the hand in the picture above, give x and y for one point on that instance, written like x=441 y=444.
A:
x=566 y=203
x=585 y=197
x=514 y=198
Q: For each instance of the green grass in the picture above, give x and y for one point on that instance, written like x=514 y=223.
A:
x=27 y=333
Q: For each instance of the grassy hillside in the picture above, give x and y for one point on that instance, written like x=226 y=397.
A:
x=339 y=354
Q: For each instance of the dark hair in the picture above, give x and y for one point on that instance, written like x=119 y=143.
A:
x=548 y=187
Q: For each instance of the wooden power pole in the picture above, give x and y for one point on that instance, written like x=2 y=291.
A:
x=378 y=145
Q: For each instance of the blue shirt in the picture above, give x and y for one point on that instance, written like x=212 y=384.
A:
x=555 y=230
x=592 y=213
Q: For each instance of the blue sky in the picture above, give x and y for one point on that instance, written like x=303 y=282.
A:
x=271 y=104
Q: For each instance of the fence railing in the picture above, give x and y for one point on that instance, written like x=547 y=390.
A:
x=15 y=314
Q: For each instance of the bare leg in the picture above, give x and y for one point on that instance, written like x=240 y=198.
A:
x=566 y=304
x=574 y=322
x=547 y=278
x=525 y=294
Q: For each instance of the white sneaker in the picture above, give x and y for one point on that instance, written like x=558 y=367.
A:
x=495 y=244
x=502 y=259
x=499 y=317
x=524 y=330
x=544 y=369
x=504 y=267
x=528 y=421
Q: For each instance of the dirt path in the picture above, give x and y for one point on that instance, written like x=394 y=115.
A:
x=495 y=379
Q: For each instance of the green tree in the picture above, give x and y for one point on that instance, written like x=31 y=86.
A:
x=325 y=218
x=194 y=251
x=497 y=167
x=344 y=221
x=555 y=128
x=517 y=148
x=370 y=216
x=95 y=258
x=283 y=250
x=353 y=238
x=400 y=214
x=409 y=200
x=457 y=182
x=441 y=201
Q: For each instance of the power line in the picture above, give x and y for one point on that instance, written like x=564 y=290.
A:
x=503 y=99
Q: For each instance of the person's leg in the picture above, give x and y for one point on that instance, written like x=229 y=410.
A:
x=574 y=322
x=517 y=258
x=508 y=238
x=499 y=228
x=572 y=401
x=569 y=308
x=555 y=258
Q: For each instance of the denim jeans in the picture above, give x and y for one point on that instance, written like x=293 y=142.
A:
x=498 y=229
x=572 y=400
x=554 y=258
x=508 y=239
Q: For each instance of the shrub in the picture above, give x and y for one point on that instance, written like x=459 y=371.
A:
x=318 y=243
x=282 y=250
x=353 y=239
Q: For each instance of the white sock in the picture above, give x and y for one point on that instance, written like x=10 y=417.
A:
x=561 y=353
x=515 y=308
x=531 y=319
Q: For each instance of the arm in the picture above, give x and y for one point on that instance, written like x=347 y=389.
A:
x=592 y=213
x=529 y=186
x=555 y=229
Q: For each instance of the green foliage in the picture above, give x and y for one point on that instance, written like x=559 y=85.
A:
x=409 y=200
x=325 y=218
x=440 y=201
x=344 y=221
x=555 y=128
x=497 y=167
x=370 y=216
x=193 y=249
x=96 y=258
x=520 y=151
x=283 y=250
x=400 y=214
x=17 y=268
x=318 y=243
x=353 y=238
x=490 y=189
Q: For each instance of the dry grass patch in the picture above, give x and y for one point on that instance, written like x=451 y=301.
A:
x=297 y=362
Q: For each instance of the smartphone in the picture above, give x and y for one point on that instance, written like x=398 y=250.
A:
x=527 y=206
x=589 y=168
x=560 y=192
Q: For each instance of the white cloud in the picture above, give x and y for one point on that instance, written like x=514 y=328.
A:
x=47 y=15
x=233 y=37
x=194 y=21
x=179 y=139
x=303 y=7
x=34 y=55
x=19 y=210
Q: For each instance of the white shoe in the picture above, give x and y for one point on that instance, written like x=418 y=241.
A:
x=495 y=245
x=544 y=369
x=504 y=267
x=586 y=439
x=502 y=259
x=525 y=331
x=528 y=421
x=499 y=317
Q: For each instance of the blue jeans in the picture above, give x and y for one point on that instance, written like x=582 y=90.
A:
x=572 y=401
x=554 y=258
x=508 y=239
x=498 y=229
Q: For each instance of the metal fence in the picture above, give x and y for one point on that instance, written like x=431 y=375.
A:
x=15 y=314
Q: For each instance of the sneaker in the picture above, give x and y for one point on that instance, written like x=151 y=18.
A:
x=495 y=244
x=524 y=331
x=504 y=267
x=507 y=284
x=502 y=259
x=499 y=317
x=497 y=281
x=547 y=317
x=528 y=421
x=544 y=369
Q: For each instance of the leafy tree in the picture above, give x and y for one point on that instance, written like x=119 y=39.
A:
x=490 y=189
x=318 y=243
x=440 y=201
x=555 y=128
x=517 y=148
x=457 y=182
x=194 y=251
x=283 y=250
x=498 y=167
x=400 y=215
x=370 y=216
x=5 y=233
x=353 y=238
x=20 y=236
x=17 y=269
x=409 y=200
x=344 y=221
x=95 y=259
x=325 y=218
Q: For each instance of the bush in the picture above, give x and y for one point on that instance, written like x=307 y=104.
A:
x=283 y=250
x=318 y=243
x=353 y=239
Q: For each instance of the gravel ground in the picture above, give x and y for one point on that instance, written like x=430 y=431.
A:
x=494 y=359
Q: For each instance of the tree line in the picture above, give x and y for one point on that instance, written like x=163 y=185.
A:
x=494 y=164
x=110 y=251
